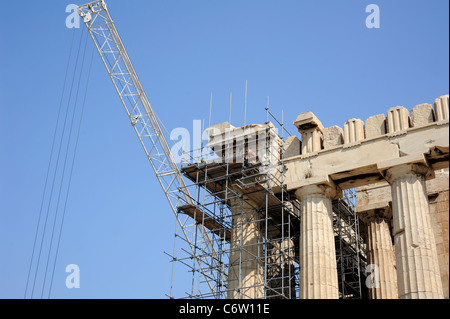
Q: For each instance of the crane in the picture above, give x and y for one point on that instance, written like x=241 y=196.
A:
x=142 y=117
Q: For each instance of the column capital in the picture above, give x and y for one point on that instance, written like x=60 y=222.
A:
x=415 y=164
x=407 y=169
x=242 y=200
x=307 y=121
x=374 y=210
x=318 y=186
x=312 y=132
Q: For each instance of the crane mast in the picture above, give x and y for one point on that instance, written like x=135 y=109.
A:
x=140 y=113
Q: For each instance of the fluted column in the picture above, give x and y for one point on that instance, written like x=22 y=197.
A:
x=415 y=249
x=380 y=254
x=281 y=269
x=245 y=274
x=318 y=270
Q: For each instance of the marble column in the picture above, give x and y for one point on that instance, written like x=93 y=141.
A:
x=245 y=273
x=281 y=269
x=415 y=249
x=380 y=254
x=318 y=270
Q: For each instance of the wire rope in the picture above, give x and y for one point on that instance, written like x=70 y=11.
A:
x=49 y=164
x=57 y=165
x=64 y=165
x=71 y=171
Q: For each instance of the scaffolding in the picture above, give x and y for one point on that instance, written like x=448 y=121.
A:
x=350 y=248
x=252 y=221
x=238 y=235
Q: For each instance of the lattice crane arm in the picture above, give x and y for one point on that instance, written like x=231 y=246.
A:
x=126 y=82
x=140 y=113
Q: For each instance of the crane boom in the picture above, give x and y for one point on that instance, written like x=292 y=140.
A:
x=128 y=87
x=142 y=117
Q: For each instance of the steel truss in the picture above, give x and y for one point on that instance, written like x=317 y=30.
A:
x=141 y=115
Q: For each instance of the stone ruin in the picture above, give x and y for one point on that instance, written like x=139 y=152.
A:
x=399 y=166
x=397 y=162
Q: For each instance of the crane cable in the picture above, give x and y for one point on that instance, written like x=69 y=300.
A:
x=49 y=164
x=54 y=172
x=71 y=171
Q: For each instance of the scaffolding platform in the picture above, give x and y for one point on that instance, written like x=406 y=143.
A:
x=248 y=182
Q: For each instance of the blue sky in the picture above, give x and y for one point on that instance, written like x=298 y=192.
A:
x=304 y=55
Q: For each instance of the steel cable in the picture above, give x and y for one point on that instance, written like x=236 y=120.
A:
x=49 y=164
x=64 y=165
x=56 y=167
